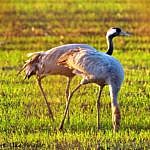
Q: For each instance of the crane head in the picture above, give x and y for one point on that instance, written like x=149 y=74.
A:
x=115 y=31
x=31 y=66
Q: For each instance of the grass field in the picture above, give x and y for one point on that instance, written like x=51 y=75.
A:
x=35 y=25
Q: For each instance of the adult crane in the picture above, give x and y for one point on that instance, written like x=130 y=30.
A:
x=100 y=68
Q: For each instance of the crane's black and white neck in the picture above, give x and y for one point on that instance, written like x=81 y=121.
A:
x=111 y=33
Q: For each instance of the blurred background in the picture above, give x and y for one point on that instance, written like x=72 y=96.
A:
x=42 y=24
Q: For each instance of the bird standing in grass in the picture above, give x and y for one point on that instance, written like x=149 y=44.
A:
x=42 y=64
x=100 y=68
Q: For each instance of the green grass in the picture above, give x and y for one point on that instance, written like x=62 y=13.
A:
x=35 y=26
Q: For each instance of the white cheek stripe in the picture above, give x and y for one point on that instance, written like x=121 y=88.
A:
x=111 y=31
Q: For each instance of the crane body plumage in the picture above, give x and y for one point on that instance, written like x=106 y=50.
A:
x=45 y=63
x=93 y=66
x=42 y=64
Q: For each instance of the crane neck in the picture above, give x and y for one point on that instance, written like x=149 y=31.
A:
x=110 y=45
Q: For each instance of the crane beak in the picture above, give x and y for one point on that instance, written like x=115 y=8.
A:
x=123 y=33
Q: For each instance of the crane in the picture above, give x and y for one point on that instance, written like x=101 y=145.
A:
x=96 y=67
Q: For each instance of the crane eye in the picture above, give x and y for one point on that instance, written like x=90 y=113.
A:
x=118 y=30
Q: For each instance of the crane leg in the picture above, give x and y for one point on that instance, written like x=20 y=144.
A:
x=116 y=116
x=48 y=105
x=98 y=107
x=67 y=106
x=67 y=96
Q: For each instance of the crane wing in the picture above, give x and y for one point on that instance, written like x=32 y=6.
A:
x=63 y=60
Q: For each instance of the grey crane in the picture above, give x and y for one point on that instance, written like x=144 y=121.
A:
x=96 y=67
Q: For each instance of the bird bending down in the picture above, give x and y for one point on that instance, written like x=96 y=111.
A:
x=95 y=67
x=42 y=64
